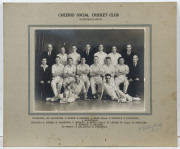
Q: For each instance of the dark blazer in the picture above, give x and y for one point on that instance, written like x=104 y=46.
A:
x=135 y=71
x=128 y=58
x=44 y=75
x=50 y=59
x=89 y=58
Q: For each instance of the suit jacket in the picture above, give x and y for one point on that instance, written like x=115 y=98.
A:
x=135 y=71
x=50 y=59
x=44 y=75
x=89 y=58
x=128 y=58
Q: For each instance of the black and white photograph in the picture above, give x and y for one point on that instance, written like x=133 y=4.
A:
x=89 y=70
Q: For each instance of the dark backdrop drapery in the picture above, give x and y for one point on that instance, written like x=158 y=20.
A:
x=94 y=37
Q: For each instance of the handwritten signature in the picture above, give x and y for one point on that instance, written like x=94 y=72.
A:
x=150 y=128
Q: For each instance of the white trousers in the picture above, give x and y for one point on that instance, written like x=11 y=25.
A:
x=56 y=85
x=67 y=81
x=96 y=81
x=86 y=81
x=122 y=79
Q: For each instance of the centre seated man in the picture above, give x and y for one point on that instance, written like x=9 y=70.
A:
x=108 y=68
x=95 y=78
x=69 y=73
x=72 y=92
x=83 y=70
x=115 y=94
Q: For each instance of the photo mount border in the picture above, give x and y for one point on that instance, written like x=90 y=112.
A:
x=79 y=113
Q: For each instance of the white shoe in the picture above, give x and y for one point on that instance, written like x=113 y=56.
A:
x=62 y=101
x=136 y=98
x=48 y=99
x=52 y=99
x=119 y=100
x=123 y=100
x=129 y=98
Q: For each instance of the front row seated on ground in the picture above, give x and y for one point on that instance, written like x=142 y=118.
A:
x=73 y=91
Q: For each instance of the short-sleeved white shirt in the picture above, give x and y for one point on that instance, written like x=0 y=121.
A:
x=76 y=58
x=83 y=67
x=63 y=58
x=95 y=68
x=108 y=70
x=114 y=58
x=77 y=88
x=68 y=69
x=58 y=69
x=102 y=55
x=121 y=68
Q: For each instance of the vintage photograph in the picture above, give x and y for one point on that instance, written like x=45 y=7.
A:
x=89 y=70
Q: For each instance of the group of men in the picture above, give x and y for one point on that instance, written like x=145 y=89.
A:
x=103 y=72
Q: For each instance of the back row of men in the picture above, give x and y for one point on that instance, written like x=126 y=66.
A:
x=88 y=54
x=92 y=68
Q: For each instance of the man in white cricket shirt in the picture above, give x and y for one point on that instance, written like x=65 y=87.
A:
x=95 y=77
x=114 y=55
x=57 y=76
x=75 y=56
x=115 y=94
x=102 y=55
x=108 y=68
x=83 y=70
x=69 y=73
x=63 y=56
x=121 y=71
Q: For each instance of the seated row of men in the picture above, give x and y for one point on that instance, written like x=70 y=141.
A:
x=93 y=75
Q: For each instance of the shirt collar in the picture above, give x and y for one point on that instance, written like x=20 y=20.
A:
x=44 y=66
x=135 y=63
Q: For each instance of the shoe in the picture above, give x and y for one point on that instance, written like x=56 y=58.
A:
x=62 y=101
x=119 y=100
x=129 y=98
x=53 y=99
x=136 y=98
x=123 y=100
x=98 y=97
x=48 y=99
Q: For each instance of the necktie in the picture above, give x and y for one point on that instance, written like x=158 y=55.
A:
x=87 y=52
x=49 y=54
